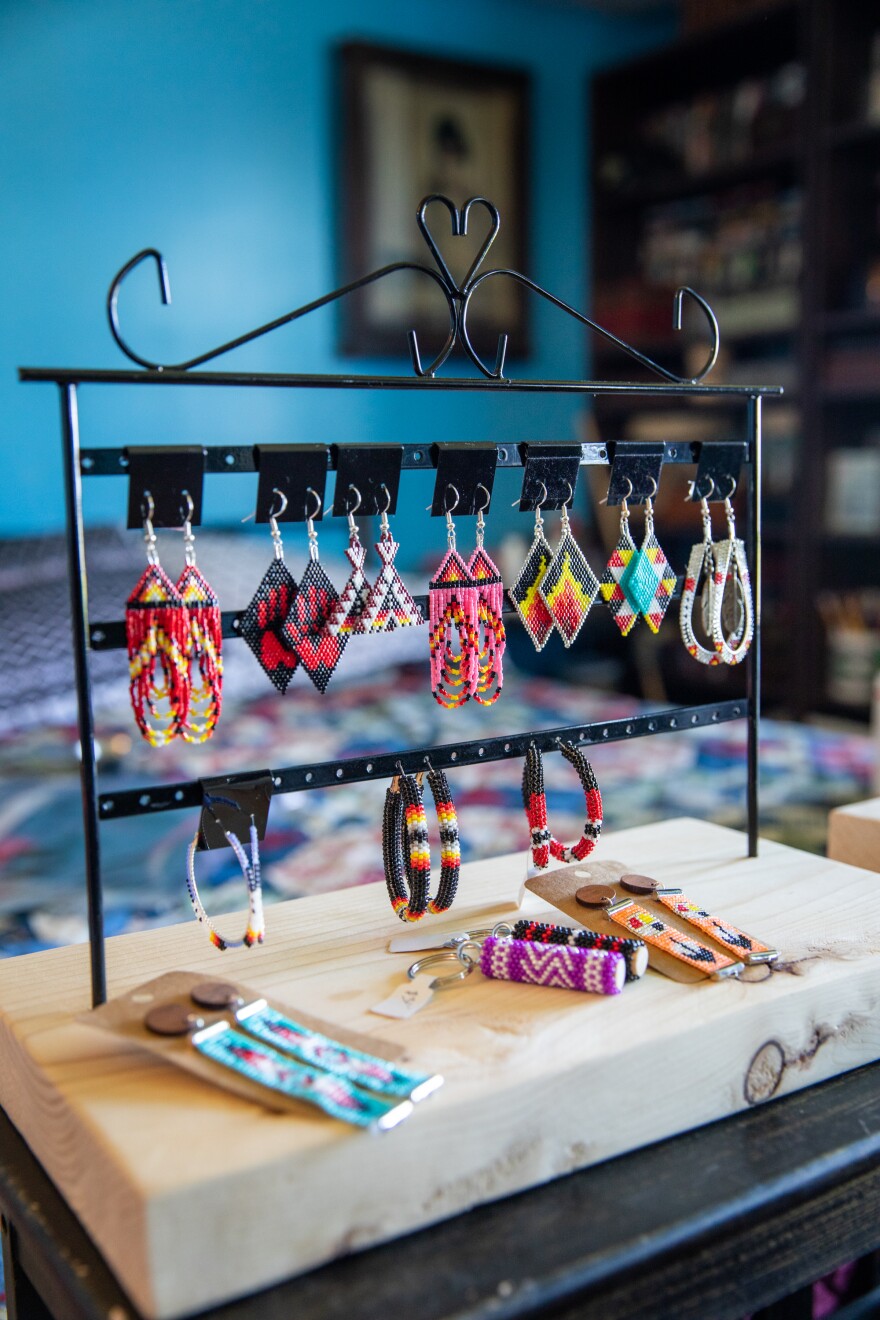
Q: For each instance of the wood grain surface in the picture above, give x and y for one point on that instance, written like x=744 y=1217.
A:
x=195 y=1196
x=854 y=834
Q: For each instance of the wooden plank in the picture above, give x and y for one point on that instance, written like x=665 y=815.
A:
x=854 y=834
x=165 y=1172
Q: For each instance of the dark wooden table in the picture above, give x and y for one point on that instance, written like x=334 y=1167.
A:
x=713 y=1224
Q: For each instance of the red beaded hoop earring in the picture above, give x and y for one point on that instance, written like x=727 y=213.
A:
x=543 y=844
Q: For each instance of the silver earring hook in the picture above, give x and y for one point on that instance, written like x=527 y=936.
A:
x=274 y=515
x=450 y=525
x=189 y=541
x=352 y=525
x=310 y=524
x=384 y=528
x=149 y=532
x=481 y=521
x=540 y=503
x=624 y=507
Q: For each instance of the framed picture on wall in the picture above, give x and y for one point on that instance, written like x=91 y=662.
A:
x=413 y=125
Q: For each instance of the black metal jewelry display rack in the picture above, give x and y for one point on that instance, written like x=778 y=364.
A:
x=549 y=478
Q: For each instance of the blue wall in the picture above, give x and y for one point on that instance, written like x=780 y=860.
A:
x=205 y=128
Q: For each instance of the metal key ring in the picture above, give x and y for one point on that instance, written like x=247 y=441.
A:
x=441 y=982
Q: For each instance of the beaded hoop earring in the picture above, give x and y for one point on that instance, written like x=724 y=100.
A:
x=543 y=844
x=733 y=593
x=405 y=849
x=256 y=927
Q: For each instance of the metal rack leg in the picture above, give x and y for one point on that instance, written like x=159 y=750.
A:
x=754 y=656
x=79 y=611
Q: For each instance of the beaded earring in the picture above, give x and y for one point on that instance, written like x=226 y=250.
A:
x=452 y=612
x=700 y=567
x=250 y=866
x=638 y=582
x=305 y=628
x=486 y=673
x=204 y=643
x=569 y=586
x=525 y=593
x=389 y=604
x=733 y=622
x=348 y=615
x=543 y=844
x=157 y=636
x=405 y=849
x=262 y=622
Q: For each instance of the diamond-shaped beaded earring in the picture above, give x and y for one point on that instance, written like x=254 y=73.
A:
x=305 y=628
x=649 y=580
x=526 y=590
x=569 y=586
x=262 y=622
x=204 y=642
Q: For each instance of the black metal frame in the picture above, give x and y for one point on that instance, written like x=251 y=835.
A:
x=102 y=462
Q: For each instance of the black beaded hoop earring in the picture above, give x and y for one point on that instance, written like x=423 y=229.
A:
x=543 y=844
x=406 y=851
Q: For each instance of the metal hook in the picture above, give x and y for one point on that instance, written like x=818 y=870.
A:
x=274 y=515
x=189 y=541
x=310 y=517
x=352 y=512
x=484 y=507
x=627 y=496
x=653 y=494
x=446 y=508
x=149 y=532
x=733 y=485
x=693 y=491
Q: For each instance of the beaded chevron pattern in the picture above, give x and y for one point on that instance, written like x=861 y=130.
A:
x=204 y=643
x=544 y=932
x=594 y=971
x=653 y=930
x=623 y=611
x=543 y=844
x=157 y=634
x=525 y=593
x=262 y=623
x=389 y=604
x=724 y=931
x=638 y=582
x=406 y=850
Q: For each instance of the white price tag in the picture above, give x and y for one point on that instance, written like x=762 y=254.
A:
x=407 y=999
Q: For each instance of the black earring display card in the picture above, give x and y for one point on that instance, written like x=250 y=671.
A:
x=230 y=804
x=635 y=475
x=371 y=471
x=168 y=473
x=461 y=470
x=718 y=469
x=550 y=477
x=294 y=470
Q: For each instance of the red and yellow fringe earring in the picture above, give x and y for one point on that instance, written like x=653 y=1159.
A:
x=452 y=613
x=157 y=631
x=204 y=643
x=406 y=851
x=487 y=674
x=543 y=844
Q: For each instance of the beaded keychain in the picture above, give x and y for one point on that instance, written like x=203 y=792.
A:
x=204 y=643
x=543 y=844
x=406 y=851
x=635 y=952
x=256 y=926
x=567 y=967
x=156 y=631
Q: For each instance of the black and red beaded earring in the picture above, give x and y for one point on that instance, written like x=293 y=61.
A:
x=544 y=845
x=305 y=628
x=263 y=620
x=405 y=848
x=204 y=642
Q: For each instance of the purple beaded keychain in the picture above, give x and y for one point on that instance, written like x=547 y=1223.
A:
x=593 y=971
